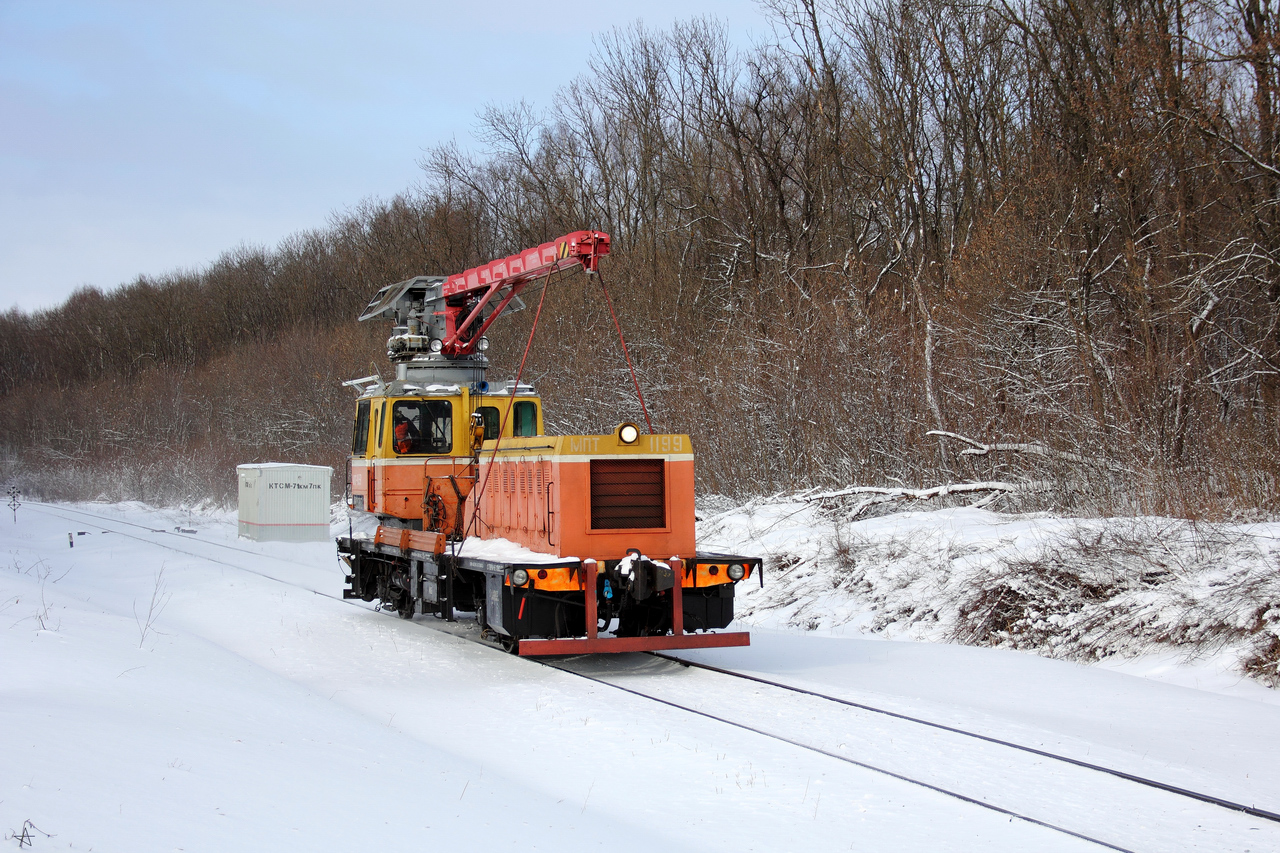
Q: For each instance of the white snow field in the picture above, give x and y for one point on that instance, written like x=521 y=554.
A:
x=251 y=708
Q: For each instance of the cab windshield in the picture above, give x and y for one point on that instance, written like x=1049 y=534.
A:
x=422 y=426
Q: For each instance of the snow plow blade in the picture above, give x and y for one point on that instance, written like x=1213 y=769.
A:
x=604 y=645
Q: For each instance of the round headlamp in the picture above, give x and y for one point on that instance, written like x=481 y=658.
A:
x=482 y=344
x=737 y=571
x=436 y=345
x=519 y=577
x=628 y=433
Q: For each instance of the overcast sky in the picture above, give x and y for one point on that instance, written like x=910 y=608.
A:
x=137 y=138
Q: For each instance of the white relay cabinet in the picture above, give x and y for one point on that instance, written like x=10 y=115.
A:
x=280 y=502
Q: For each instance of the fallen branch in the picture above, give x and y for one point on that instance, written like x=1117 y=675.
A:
x=977 y=448
x=927 y=494
x=879 y=495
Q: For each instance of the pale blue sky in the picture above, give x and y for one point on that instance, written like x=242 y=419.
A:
x=144 y=137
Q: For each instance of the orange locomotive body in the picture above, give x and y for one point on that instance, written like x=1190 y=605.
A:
x=592 y=495
x=558 y=544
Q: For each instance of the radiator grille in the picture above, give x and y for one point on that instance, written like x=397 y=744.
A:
x=628 y=493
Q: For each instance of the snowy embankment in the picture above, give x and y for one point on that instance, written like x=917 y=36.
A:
x=1077 y=589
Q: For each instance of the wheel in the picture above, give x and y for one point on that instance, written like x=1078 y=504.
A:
x=509 y=644
x=405 y=606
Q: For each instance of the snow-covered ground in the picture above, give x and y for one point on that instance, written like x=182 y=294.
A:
x=252 y=709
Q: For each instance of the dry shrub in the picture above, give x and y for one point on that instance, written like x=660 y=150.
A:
x=1124 y=586
x=1263 y=661
x=1033 y=604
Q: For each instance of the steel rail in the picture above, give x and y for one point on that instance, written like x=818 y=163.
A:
x=205 y=557
x=964 y=798
x=151 y=529
x=1252 y=811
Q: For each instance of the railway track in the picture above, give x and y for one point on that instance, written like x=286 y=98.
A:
x=567 y=665
x=1252 y=811
x=1104 y=797
x=954 y=794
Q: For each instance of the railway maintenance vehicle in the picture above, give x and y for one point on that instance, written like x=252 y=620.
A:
x=559 y=545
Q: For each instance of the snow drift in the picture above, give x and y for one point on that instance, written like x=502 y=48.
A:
x=1072 y=588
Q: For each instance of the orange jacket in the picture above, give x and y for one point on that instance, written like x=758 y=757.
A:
x=403 y=443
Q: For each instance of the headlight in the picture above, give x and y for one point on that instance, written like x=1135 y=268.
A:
x=628 y=433
x=737 y=571
x=482 y=344
x=436 y=345
x=519 y=577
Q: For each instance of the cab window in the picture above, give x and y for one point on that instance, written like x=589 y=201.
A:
x=422 y=426
x=526 y=418
x=492 y=421
x=360 y=436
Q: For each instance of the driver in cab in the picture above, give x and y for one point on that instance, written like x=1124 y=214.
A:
x=406 y=434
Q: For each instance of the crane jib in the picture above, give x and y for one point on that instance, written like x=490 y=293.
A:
x=504 y=279
x=584 y=247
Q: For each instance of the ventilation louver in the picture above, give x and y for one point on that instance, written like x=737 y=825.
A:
x=628 y=494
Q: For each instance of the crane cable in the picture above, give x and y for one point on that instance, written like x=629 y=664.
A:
x=630 y=366
x=475 y=514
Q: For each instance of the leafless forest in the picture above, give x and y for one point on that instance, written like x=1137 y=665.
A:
x=1051 y=227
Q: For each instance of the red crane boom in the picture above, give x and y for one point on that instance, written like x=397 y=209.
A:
x=468 y=294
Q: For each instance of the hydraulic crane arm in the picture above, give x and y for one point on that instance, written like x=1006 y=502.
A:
x=449 y=315
x=503 y=279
